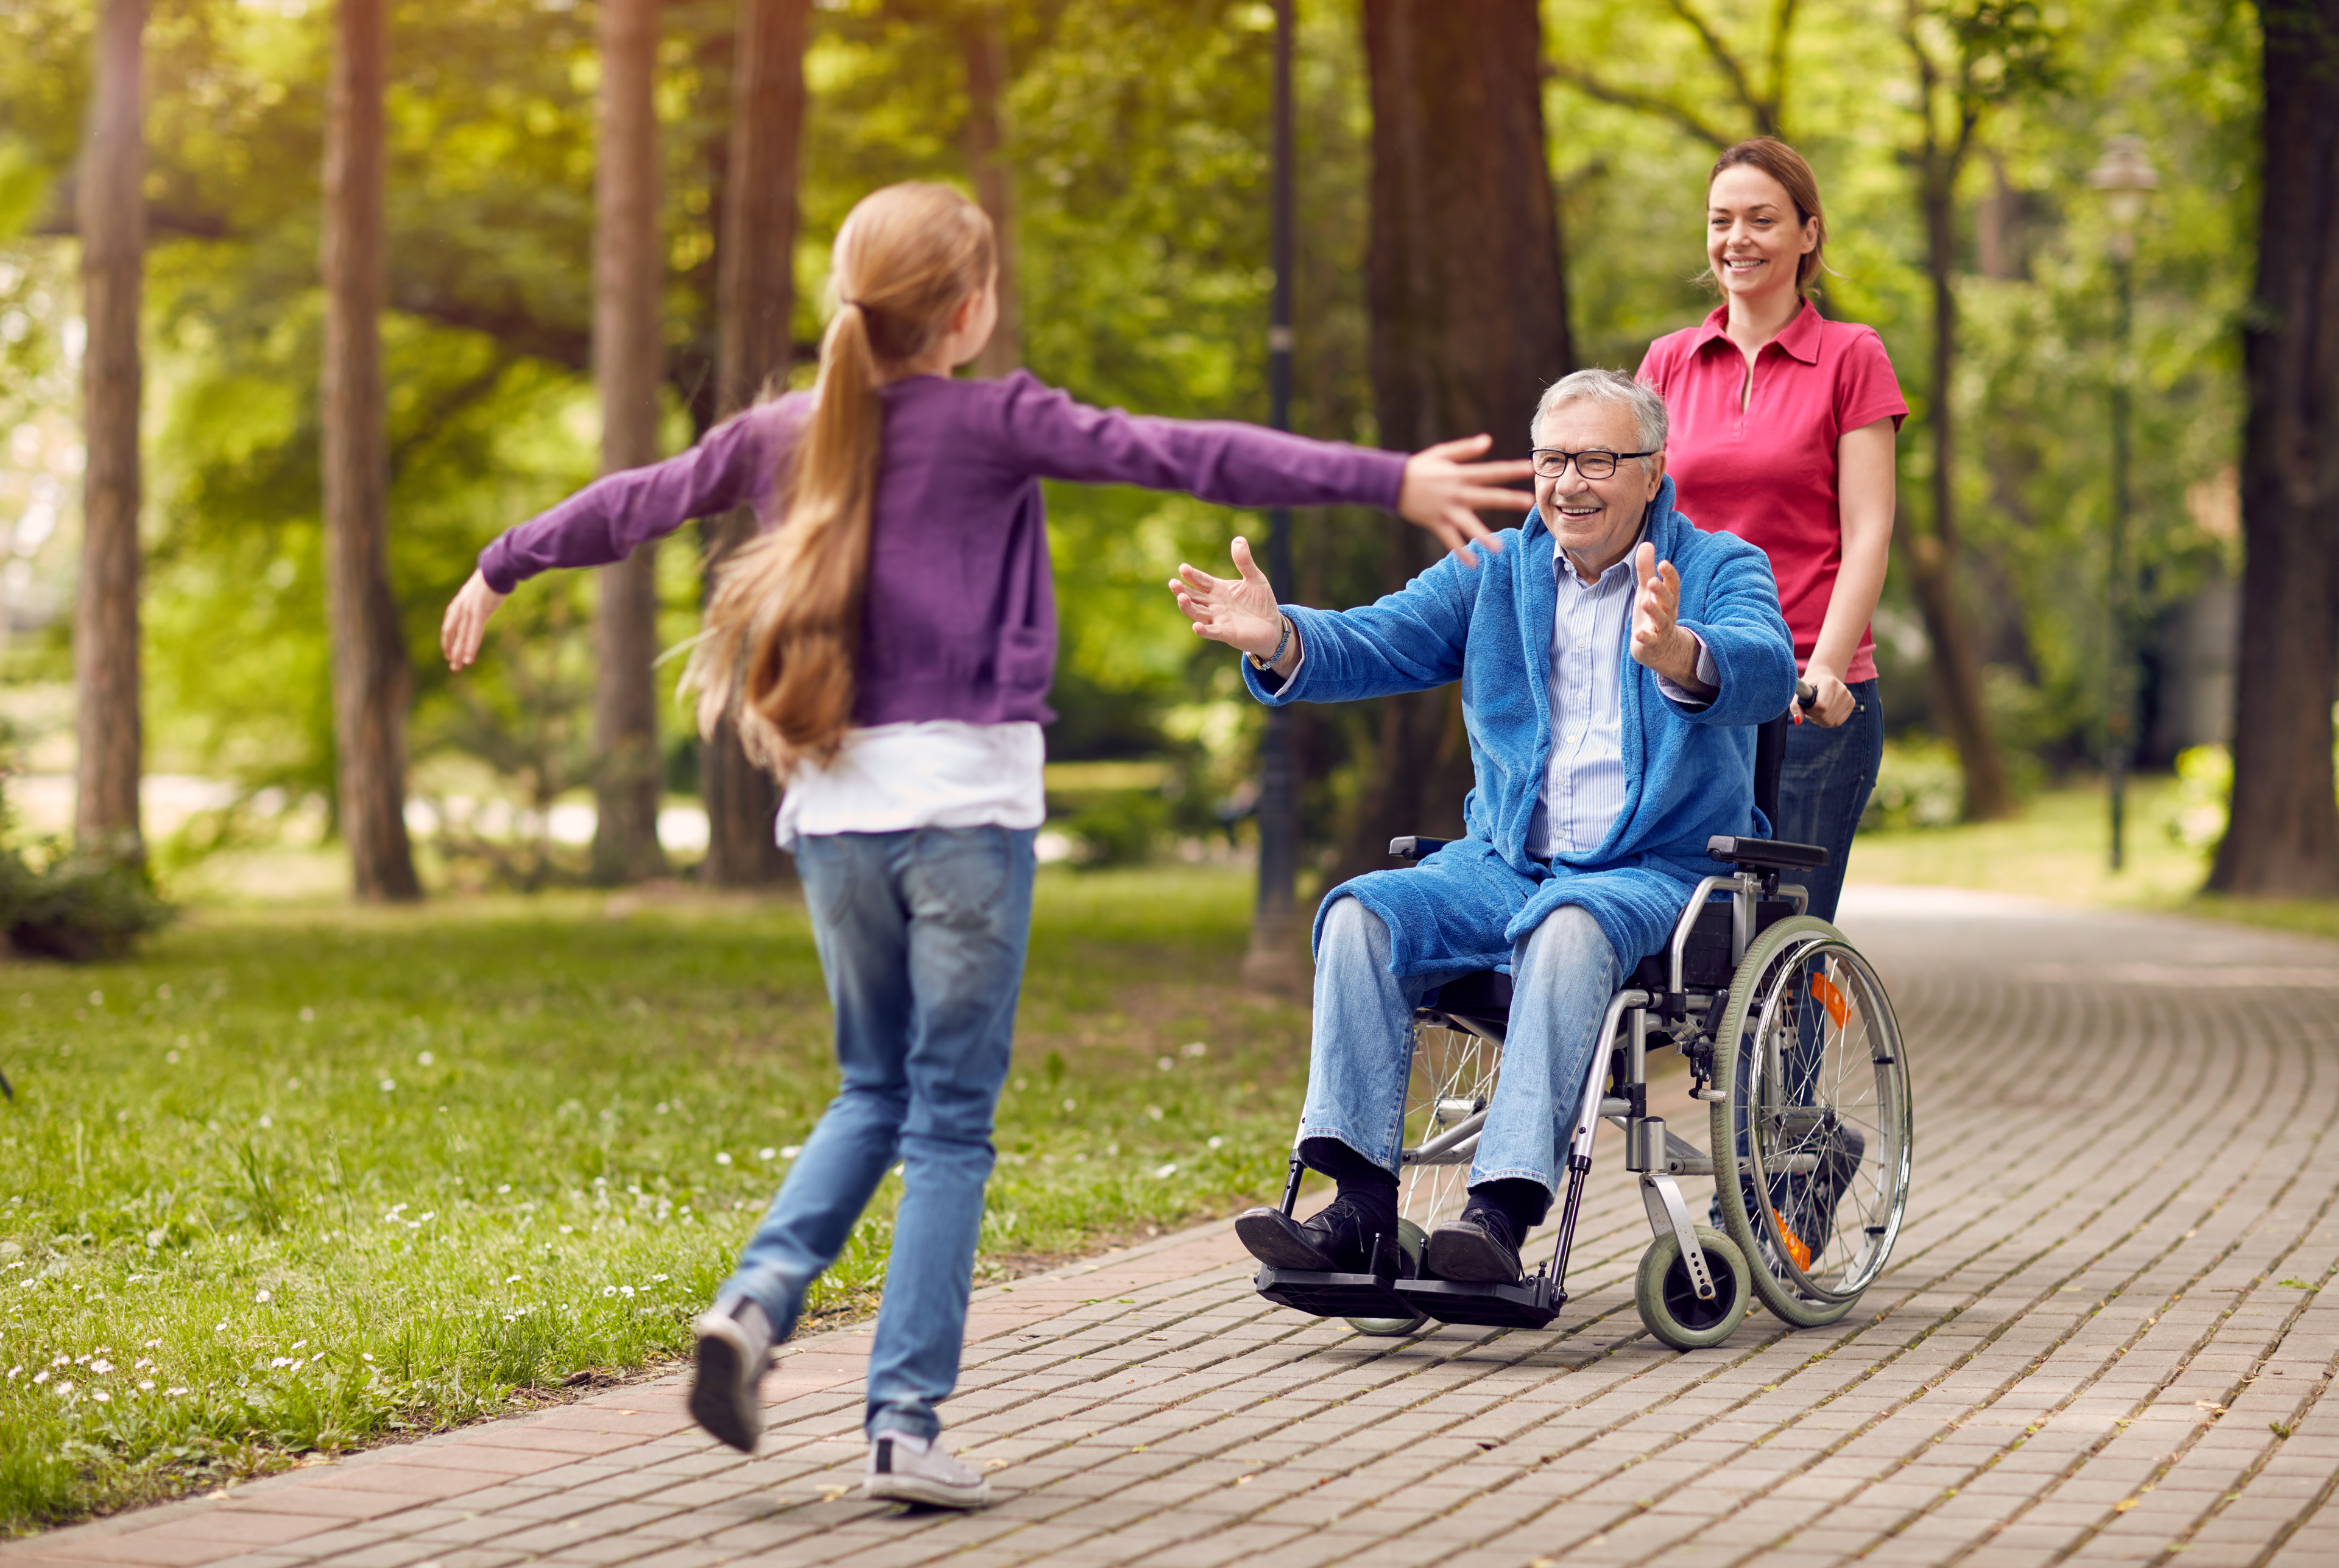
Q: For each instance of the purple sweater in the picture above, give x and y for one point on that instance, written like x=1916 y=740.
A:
x=960 y=617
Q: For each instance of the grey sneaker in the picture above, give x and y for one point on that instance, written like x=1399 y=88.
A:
x=734 y=1348
x=907 y=1469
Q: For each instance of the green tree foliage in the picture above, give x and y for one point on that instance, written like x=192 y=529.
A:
x=1137 y=131
x=2033 y=286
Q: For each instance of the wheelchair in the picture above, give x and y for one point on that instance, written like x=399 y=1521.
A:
x=1791 y=1042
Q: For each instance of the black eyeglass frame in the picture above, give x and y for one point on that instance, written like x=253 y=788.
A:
x=1537 y=454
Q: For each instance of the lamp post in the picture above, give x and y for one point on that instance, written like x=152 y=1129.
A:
x=1272 y=960
x=2126 y=176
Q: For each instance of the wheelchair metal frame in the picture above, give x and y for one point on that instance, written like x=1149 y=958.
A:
x=1679 y=1005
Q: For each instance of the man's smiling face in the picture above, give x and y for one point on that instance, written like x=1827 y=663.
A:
x=1596 y=521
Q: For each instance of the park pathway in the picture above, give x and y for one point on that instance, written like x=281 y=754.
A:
x=2100 y=1340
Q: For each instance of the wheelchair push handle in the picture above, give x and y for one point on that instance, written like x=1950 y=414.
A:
x=1807 y=697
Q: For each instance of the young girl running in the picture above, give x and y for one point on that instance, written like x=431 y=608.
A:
x=886 y=648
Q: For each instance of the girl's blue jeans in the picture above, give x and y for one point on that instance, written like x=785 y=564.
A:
x=922 y=936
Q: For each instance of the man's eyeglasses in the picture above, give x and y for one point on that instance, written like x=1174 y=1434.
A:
x=1551 y=463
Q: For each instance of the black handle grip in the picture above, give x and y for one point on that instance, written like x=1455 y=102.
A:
x=1807 y=697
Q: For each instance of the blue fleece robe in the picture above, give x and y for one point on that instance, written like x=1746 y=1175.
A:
x=1689 y=772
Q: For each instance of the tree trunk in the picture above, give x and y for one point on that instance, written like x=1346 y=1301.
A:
x=2284 y=841
x=1955 y=673
x=372 y=681
x=755 y=288
x=113 y=221
x=983 y=41
x=628 y=363
x=1469 y=316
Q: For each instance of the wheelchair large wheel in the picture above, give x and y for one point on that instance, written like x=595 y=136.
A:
x=1668 y=1297
x=1452 y=1081
x=1813 y=1143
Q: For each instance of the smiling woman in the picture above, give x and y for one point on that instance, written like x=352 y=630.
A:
x=1782 y=434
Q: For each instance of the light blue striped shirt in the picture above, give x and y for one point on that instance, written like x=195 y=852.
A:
x=1584 y=781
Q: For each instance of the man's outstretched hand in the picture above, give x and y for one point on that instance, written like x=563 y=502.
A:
x=1238 y=611
x=1659 y=640
x=1444 y=492
x=466 y=621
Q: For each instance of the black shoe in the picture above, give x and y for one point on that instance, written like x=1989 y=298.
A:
x=1337 y=1241
x=1480 y=1248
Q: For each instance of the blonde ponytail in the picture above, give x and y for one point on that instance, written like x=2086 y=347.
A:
x=782 y=627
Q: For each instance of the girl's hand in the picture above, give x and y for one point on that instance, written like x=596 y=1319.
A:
x=1443 y=493
x=466 y=621
x=1238 y=611
x=1835 y=704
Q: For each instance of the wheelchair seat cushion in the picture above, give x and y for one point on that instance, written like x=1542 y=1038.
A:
x=1483 y=998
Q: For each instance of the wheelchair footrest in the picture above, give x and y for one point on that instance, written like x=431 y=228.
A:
x=1321 y=1294
x=1333 y=1294
x=1532 y=1303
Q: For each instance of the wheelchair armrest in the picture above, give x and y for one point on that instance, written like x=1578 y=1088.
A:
x=1414 y=847
x=1772 y=855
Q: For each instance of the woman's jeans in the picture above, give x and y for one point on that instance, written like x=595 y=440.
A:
x=922 y=936
x=1824 y=786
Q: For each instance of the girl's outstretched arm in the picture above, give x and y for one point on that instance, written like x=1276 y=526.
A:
x=466 y=621
x=613 y=516
x=1044 y=431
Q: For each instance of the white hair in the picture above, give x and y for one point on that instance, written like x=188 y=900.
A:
x=1614 y=388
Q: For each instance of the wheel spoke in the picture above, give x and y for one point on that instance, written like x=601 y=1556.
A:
x=1825 y=1110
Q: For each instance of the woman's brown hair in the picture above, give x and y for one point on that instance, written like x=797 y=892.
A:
x=783 y=628
x=1787 y=166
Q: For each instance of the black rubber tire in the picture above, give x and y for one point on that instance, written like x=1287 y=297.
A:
x=1410 y=1238
x=1755 y=972
x=1669 y=1303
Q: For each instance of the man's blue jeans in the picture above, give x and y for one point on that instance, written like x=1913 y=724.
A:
x=1564 y=974
x=921 y=935
x=1823 y=786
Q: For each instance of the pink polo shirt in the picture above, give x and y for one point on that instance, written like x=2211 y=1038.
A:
x=1767 y=473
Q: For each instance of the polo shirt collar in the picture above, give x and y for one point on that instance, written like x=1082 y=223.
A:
x=1802 y=335
x=1800 y=338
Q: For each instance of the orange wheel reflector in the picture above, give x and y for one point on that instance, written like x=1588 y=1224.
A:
x=1795 y=1248
x=1837 y=1006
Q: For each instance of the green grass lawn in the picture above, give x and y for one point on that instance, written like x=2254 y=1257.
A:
x=2059 y=849
x=294 y=1180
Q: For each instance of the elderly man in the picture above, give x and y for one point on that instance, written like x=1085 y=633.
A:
x=1600 y=778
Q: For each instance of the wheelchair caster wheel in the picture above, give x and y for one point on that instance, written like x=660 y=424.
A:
x=1411 y=1239
x=1668 y=1298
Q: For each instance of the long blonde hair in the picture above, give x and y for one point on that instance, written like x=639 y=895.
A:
x=783 y=628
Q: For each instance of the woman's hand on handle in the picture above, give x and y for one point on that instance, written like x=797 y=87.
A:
x=1239 y=611
x=466 y=621
x=1444 y=492
x=1834 y=702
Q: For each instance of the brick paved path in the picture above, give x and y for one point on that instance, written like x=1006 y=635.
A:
x=2099 y=1341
